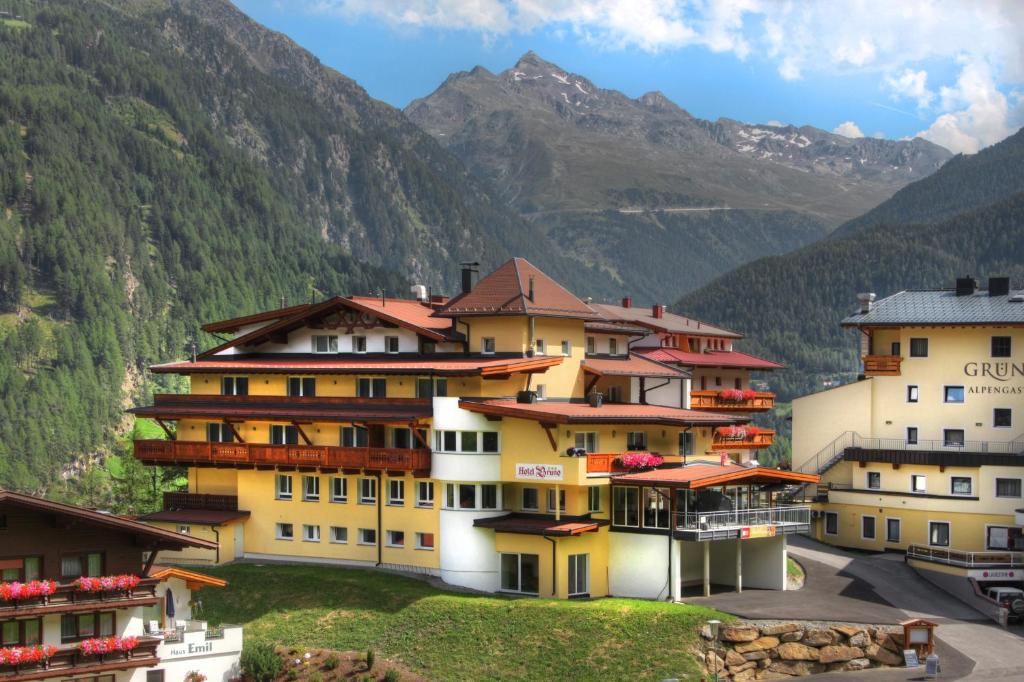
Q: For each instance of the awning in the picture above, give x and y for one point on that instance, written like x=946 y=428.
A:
x=694 y=476
x=536 y=524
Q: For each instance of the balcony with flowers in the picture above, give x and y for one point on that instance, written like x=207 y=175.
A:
x=88 y=657
x=742 y=437
x=41 y=597
x=732 y=400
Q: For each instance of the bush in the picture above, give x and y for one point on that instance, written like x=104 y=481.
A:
x=332 y=662
x=369 y=659
x=315 y=676
x=293 y=674
x=260 y=662
x=391 y=676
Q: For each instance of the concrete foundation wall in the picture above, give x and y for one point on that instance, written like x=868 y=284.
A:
x=764 y=563
x=638 y=566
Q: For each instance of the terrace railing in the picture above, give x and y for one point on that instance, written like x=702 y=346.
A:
x=199 y=452
x=759 y=516
x=953 y=557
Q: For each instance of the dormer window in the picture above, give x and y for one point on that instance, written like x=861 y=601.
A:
x=358 y=344
x=323 y=343
x=390 y=344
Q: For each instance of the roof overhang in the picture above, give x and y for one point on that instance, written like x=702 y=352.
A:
x=193 y=580
x=597 y=415
x=692 y=479
x=547 y=526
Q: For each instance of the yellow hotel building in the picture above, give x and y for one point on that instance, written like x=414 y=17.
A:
x=514 y=438
x=925 y=453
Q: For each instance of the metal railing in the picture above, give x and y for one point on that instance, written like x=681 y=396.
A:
x=760 y=516
x=953 y=557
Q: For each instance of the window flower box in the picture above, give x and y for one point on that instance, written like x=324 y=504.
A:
x=108 y=583
x=640 y=461
x=735 y=395
x=14 y=591
x=26 y=655
x=97 y=646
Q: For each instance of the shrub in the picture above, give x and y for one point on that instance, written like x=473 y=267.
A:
x=315 y=676
x=369 y=659
x=293 y=674
x=391 y=676
x=332 y=662
x=260 y=662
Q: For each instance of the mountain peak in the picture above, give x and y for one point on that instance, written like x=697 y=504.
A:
x=657 y=100
x=531 y=58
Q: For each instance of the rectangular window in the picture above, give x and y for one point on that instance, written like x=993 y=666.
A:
x=892 y=530
x=339 y=535
x=953 y=394
x=21 y=632
x=542 y=391
x=339 y=489
x=918 y=348
x=311 y=488
x=368 y=490
x=299 y=387
x=427 y=387
x=391 y=344
x=960 y=485
x=918 y=483
x=488 y=496
x=520 y=573
x=284 y=487
x=831 y=523
x=938 y=533
x=401 y=438
x=78 y=626
x=467 y=496
x=469 y=442
x=367 y=536
x=284 y=434
x=425 y=541
x=894 y=348
x=354 y=437
x=587 y=440
x=566 y=348
x=285 y=531
x=626 y=506
x=539 y=347
x=594 y=498
x=1001 y=347
x=396 y=492
x=371 y=388
x=551 y=500
x=1002 y=417
x=911 y=435
x=325 y=344
x=449 y=441
x=591 y=345
x=686 y=443
x=997 y=537
x=487 y=345
x=234 y=386
x=427 y=347
x=185 y=530
x=310 y=533
x=912 y=394
x=874 y=480
x=396 y=538
x=358 y=344
x=953 y=438
x=530 y=499
x=656 y=507
x=613 y=346
x=636 y=440
x=490 y=441
x=579 y=575
x=424 y=494
x=78 y=565
x=21 y=570
x=867 y=527
x=1008 y=487
x=219 y=432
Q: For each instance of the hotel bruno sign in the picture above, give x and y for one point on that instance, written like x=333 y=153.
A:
x=1002 y=372
x=539 y=472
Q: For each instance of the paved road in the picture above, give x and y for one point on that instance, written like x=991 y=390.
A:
x=868 y=588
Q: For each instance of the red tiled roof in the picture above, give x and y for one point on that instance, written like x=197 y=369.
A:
x=506 y=292
x=615 y=328
x=195 y=580
x=715 y=358
x=632 y=366
x=236 y=323
x=582 y=413
x=349 y=365
x=212 y=517
x=703 y=475
x=669 y=322
x=529 y=524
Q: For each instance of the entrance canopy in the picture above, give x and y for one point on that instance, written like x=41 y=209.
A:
x=533 y=524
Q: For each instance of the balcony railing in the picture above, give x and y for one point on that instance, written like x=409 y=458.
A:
x=200 y=501
x=742 y=518
x=68 y=661
x=69 y=598
x=882 y=365
x=201 y=453
x=744 y=439
x=714 y=400
x=953 y=557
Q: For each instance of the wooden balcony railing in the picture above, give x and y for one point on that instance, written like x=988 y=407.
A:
x=200 y=501
x=604 y=463
x=70 y=662
x=750 y=438
x=714 y=400
x=882 y=365
x=69 y=598
x=199 y=453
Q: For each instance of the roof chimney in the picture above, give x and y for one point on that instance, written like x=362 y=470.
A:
x=469 y=269
x=865 y=302
x=966 y=286
x=658 y=311
x=530 y=293
x=627 y=301
x=998 y=286
x=419 y=292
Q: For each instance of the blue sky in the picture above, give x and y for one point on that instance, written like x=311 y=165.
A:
x=949 y=71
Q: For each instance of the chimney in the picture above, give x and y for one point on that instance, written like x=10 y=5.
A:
x=419 y=292
x=865 y=302
x=966 y=286
x=658 y=311
x=469 y=269
x=998 y=286
x=530 y=294
x=627 y=301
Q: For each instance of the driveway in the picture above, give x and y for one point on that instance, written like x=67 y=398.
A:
x=881 y=588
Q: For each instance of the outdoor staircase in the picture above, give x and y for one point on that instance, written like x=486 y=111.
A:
x=822 y=461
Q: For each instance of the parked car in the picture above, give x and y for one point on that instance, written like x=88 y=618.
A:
x=1010 y=598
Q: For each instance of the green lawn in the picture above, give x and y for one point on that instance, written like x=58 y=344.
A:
x=448 y=636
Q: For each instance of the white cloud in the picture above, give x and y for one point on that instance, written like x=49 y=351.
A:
x=913 y=85
x=848 y=129
x=978 y=114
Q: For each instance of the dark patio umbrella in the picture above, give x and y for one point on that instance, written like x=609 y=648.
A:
x=169 y=604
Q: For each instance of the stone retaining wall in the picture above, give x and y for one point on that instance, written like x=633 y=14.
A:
x=775 y=650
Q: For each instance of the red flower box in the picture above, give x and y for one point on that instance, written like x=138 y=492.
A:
x=108 y=583
x=14 y=591
x=98 y=646
x=19 y=655
x=640 y=460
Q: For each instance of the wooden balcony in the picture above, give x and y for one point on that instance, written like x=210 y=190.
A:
x=249 y=455
x=69 y=599
x=604 y=463
x=70 y=662
x=200 y=501
x=748 y=438
x=718 y=401
x=882 y=365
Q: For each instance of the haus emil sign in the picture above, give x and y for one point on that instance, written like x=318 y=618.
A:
x=1003 y=372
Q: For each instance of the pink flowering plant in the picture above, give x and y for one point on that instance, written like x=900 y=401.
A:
x=13 y=591
x=108 y=583
x=20 y=655
x=97 y=646
x=195 y=676
x=640 y=460
x=736 y=432
x=735 y=395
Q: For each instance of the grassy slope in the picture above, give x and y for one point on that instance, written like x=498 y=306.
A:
x=449 y=636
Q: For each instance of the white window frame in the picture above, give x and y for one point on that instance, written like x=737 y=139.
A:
x=899 y=524
x=234 y=384
x=946 y=443
x=372 y=386
x=302 y=386
x=913 y=393
x=332 y=343
x=185 y=529
x=389 y=541
x=334 y=535
x=222 y=429
x=988 y=527
x=995 y=489
x=519 y=573
x=949 y=532
x=834 y=515
x=343 y=497
x=419 y=541
x=310 y=481
x=388 y=341
x=613 y=345
x=867 y=480
x=279 y=531
x=542 y=391
x=592 y=492
x=279 y=492
x=357 y=341
x=550 y=499
x=874 y=521
x=584 y=558
x=488 y=345
x=566 y=348
x=913 y=489
x=540 y=347
x=591 y=345
x=362 y=537
x=310 y=532
x=421 y=501
x=396 y=484
x=917 y=435
x=970 y=480
x=945 y=394
x=368 y=499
